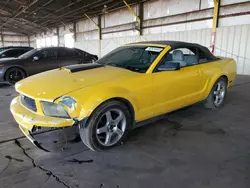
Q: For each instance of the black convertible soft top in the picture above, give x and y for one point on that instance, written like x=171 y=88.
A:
x=179 y=44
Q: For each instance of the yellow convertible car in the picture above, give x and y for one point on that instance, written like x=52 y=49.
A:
x=132 y=84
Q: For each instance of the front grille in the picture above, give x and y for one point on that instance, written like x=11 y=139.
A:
x=28 y=103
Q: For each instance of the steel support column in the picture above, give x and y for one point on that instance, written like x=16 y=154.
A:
x=138 y=19
x=1 y=35
x=58 y=37
x=74 y=28
x=98 y=25
x=215 y=22
x=29 y=40
x=100 y=28
x=141 y=13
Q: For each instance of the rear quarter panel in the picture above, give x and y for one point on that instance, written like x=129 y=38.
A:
x=214 y=70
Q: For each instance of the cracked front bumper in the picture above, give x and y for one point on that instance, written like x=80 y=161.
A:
x=27 y=120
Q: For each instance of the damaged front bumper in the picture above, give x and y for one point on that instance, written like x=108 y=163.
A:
x=28 y=134
x=28 y=121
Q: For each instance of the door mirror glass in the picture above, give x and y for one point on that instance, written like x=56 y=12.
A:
x=35 y=58
x=168 y=67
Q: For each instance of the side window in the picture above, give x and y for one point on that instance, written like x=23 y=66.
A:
x=46 y=54
x=183 y=56
x=85 y=54
x=79 y=53
x=51 y=54
x=11 y=53
x=22 y=51
x=63 y=53
x=76 y=53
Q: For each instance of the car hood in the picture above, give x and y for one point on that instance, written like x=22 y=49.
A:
x=50 y=85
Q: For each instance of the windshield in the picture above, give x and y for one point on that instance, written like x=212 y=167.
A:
x=134 y=58
x=28 y=54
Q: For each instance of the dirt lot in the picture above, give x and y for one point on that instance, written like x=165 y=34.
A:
x=191 y=148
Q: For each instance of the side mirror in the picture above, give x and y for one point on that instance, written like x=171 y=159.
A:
x=3 y=55
x=168 y=67
x=35 y=58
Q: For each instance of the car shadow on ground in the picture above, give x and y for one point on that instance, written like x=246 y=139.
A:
x=4 y=85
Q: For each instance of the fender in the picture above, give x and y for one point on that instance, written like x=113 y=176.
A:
x=86 y=106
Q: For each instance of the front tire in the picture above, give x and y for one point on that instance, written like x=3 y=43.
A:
x=107 y=127
x=217 y=95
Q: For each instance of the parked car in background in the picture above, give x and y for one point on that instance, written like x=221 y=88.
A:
x=13 y=52
x=40 y=60
x=10 y=47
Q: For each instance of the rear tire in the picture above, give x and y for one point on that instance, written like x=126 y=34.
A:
x=13 y=75
x=107 y=127
x=217 y=96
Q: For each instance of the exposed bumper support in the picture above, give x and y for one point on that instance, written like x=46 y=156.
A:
x=27 y=133
x=28 y=121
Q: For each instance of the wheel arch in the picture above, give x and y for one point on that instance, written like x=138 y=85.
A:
x=225 y=77
x=123 y=100
x=127 y=103
x=217 y=78
x=89 y=99
x=213 y=81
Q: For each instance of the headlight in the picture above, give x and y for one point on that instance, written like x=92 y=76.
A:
x=68 y=101
x=54 y=110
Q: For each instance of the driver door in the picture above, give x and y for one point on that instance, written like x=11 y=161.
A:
x=174 y=89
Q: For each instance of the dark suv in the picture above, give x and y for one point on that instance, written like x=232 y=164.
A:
x=40 y=60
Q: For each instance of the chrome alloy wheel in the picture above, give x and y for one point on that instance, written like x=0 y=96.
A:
x=219 y=93
x=111 y=127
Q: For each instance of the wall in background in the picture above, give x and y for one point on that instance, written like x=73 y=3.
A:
x=179 y=20
x=232 y=41
x=47 y=39
x=57 y=36
x=170 y=20
x=13 y=39
x=166 y=16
